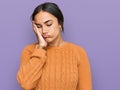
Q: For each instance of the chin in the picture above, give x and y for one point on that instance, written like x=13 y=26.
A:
x=49 y=40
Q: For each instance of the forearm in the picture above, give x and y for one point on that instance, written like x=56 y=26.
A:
x=30 y=72
x=85 y=80
x=84 y=72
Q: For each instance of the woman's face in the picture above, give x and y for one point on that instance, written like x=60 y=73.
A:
x=48 y=26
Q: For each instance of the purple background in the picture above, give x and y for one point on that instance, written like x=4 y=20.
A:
x=92 y=24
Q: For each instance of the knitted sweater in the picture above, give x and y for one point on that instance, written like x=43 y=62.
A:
x=57 y=68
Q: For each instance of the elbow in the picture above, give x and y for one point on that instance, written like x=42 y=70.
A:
x=25 y=84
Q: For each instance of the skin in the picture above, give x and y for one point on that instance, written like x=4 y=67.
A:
x=47 y=30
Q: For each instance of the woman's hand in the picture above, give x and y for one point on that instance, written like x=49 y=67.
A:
x=41 y=42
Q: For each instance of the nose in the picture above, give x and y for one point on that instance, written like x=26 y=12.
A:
x=44 y=30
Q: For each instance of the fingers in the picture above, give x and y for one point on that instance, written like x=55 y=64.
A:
x=41 y=40
x=34 y=27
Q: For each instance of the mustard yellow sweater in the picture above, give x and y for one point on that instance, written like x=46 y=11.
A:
x=57 y=68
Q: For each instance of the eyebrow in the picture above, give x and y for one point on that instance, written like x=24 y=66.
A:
x=44 y=22
x=47 y=21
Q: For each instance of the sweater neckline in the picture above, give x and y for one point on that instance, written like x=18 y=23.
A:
x=58 y=47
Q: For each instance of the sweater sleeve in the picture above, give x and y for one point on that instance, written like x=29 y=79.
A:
x=31 y=66
x=84 y=73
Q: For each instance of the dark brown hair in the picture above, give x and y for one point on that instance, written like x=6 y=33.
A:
x=51 y=8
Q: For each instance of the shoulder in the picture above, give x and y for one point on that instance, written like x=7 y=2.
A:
x=75 y=46
x=81 y=54
x=79 y=50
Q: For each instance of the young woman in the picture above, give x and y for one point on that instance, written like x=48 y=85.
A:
x=52 y=63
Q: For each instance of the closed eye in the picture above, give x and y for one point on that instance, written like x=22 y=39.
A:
x=49 y=24
x=38 y=26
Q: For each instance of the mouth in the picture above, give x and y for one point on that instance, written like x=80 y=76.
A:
x=45 y=37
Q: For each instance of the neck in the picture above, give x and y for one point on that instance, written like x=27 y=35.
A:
x=57 y=42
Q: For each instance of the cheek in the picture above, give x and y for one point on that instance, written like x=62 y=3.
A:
x=54 y=31
x=40 y=31
x=55 y=28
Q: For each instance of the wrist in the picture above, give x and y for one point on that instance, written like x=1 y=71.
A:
x=38 y=46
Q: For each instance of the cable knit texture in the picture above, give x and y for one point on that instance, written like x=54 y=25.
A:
x=57 y=68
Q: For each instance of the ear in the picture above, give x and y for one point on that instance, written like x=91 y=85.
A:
x=60 y=26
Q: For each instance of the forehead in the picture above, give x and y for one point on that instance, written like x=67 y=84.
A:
x=43 y=16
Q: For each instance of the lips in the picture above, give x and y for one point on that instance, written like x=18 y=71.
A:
x=45 y=36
